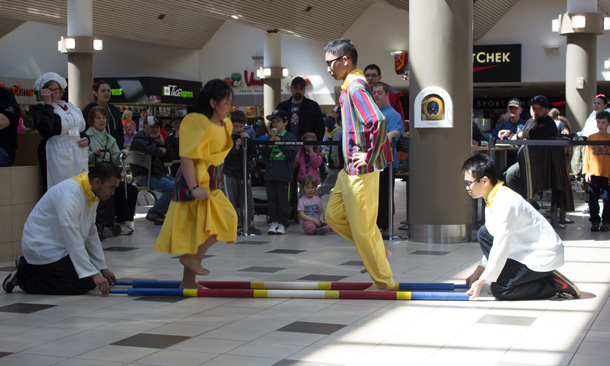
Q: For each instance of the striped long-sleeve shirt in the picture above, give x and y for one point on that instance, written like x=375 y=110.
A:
x=364 y=126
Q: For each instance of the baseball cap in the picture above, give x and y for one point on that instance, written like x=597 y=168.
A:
x=514 y=103
x=278 y=113
x=151 y=121
x=298 y=80
x=177 y=116
x=540 y=100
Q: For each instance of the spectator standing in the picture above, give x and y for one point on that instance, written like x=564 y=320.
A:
x=336 y=162
x=62 y=153
x=9 y=122
x=279 y=168
x=150 y=142
x=234 y=174
x=173 y=140
x=596 y=168
x=305 y=114
x=142 y=120
x=101 y=97
x=372 y=73
x=353 y=204
x=308 y=159
x=396 y=131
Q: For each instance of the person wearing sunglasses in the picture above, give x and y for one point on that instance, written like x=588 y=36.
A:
x=521 y=250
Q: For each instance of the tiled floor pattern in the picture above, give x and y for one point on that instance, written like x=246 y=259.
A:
x=119 y=330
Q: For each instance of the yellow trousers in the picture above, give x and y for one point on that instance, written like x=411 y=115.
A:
x=352 y=212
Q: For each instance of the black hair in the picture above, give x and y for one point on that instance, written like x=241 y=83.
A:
x=238 y=116
x=602 y=115
x=104 y=171
x=343 y=47
x=373 y=67
x=214 y=89
x=480 y=166
x=603 y=97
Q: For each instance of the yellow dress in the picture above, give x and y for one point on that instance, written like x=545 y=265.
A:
x=189 y=224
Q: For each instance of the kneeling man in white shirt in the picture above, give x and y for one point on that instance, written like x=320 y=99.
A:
x=62 y=253
x=521 y=250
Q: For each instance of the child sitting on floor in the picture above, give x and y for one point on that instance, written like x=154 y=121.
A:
x=311 y=209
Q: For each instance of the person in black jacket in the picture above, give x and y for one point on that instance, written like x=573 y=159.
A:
x=9 y=120
x=151 y=142
x=233 y=174
x=540 y=127
x=101 y=97
x=304 y=114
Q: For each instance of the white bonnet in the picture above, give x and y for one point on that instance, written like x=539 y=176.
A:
x=50 y=76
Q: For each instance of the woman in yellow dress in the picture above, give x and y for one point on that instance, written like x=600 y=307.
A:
x=199 y=214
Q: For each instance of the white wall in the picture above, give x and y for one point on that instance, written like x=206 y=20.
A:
x=231 y=49
x=378 y=31
x=31 y=50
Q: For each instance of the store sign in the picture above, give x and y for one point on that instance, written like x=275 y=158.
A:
x=175 y=91
x=23 y=89
x=496 y=63
x=116 y=91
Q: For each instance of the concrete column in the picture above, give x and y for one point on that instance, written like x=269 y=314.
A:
x=581 y=54
x=80 y=64
x=440 y=51
x=272 y=59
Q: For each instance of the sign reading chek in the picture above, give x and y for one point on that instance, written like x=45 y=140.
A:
x=174 y=91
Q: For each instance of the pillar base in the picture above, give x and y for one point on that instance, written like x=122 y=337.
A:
x=440 y=234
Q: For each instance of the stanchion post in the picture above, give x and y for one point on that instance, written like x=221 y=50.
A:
x=244 y=203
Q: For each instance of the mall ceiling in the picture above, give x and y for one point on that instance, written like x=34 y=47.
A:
x=190 y=24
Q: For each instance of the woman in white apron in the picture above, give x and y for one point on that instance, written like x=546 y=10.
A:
x=62 y=152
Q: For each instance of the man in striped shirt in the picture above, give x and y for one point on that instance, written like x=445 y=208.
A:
x=352 y=208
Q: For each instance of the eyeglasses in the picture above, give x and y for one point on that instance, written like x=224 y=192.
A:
x=330 y=62
x=55 y=90
x=468 y=184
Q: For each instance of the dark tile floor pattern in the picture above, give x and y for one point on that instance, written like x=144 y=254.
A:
x=353 y=263
x=166 y=299
x=262 y=269
x=24 y=308
x=430 y=252
x=119 y=249
x=314 y=277
x=251 y=242
x=151 y=340
x=2 y=354
x=286 y=251
x=313 y=328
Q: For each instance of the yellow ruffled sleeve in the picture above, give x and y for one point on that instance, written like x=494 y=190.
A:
x=195 y=136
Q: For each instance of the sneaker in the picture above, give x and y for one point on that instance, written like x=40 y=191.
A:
x=280 y=230
x=595 y=226
x=272 y=228
x=320 y=231
x=253 y=231
x=125 y=229
x=11 y=280
x=565 y=285
x=605 y=227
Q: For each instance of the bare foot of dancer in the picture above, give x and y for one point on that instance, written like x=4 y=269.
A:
x=388 y=254
x=195 y=285
x=375 y=288
x=190 y=261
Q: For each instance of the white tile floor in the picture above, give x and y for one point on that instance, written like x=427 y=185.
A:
x=88 y=330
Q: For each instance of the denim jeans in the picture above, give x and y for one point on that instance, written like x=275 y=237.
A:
x=165 y=185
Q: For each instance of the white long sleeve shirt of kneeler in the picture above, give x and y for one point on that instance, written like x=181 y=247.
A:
x=62 y=223
x=520 y=233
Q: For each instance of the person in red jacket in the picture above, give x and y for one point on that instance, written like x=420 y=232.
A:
x=372 y=73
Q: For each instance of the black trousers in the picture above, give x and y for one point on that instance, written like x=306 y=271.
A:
x=516 y=281
x=57 y=278
x=599 y=188
x=125 y=207
x=384 y=202
x=278 y=201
